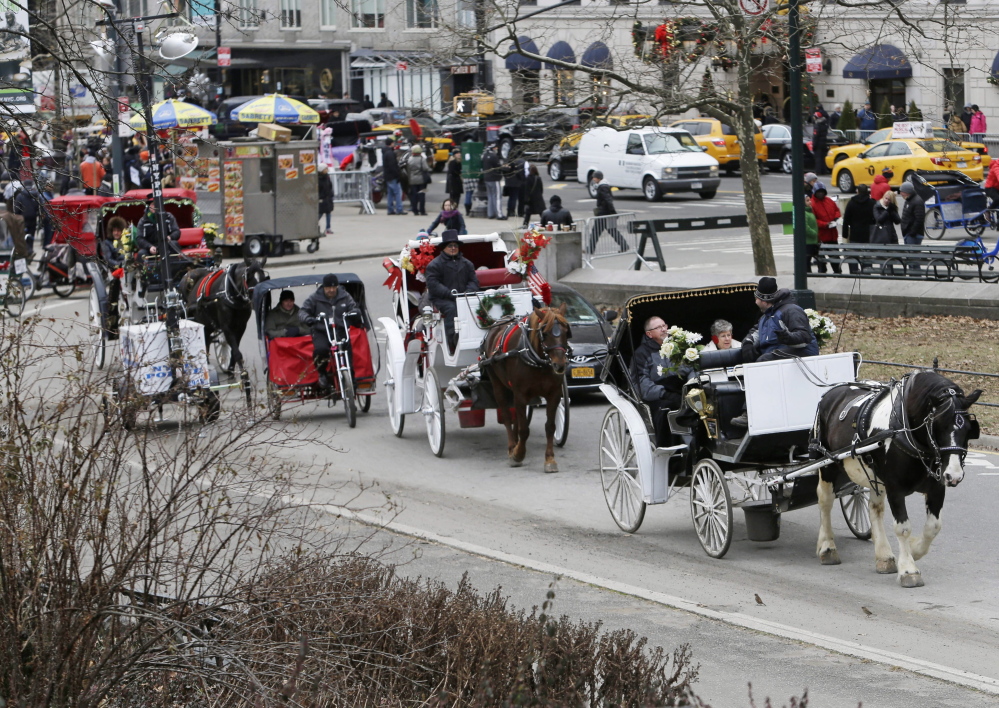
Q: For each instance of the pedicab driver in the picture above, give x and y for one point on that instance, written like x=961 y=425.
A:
x=782 y=332
x=660 y=391
x=331 y=302
x=448 y=275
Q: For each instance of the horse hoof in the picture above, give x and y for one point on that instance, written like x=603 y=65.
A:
x=551 y=467
x=514 y=463
x=886 y=566
x=829 y=557
x=911 y=580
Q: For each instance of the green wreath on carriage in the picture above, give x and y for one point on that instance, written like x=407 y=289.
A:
x=487 y=303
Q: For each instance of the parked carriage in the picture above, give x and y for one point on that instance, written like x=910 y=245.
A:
x=765 y=470
x=291 y=373
x=423 y=374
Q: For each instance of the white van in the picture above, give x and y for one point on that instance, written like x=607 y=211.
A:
x=655 y=160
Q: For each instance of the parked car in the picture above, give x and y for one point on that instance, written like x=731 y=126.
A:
x=721 y=141
x=853 y=149
x=564 y=158
x=536 y=132
x=461 y=128
x=655 y=160
x=778 y=141
x=903 y=158
x=334 y=109
x=590 y=334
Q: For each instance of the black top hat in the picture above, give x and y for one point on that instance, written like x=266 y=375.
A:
x=450 y=236
x=767 y=289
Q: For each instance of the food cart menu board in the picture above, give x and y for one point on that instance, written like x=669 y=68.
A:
x=233 y=202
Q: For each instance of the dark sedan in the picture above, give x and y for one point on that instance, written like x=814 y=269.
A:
x=778 y=137
x=590 y=334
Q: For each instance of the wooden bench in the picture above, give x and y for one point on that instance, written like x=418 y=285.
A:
x=944 y=262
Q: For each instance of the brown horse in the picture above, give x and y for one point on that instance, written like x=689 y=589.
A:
x=526 y=359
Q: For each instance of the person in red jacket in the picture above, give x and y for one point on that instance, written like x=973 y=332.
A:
x=827 y=217
x=992 y=184
x=881 y=184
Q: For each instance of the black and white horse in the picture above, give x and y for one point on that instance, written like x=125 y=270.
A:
x=926 y=420
x=220 y=300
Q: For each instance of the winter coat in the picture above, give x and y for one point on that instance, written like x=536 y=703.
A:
x=91 y=173
x=325 y=193
x=605 y=200
x=966 y=119
x=956 y=124
x=451 y=220
x=811 y=228
x=912 y=220
x=454 y=184
x=514 y=174
x=146 y=230
x=879 y=187
x=418 y=170
x=109 y=254
x=826 y=211
x=663 y=389
x=782 y=315
x=858 y=219
x=820 y=132
x=992 y=179
x=867 y=120
x=557 y=215
x=28 y=203
x=318 y=307
x=884 y=220
x=534 y=199
x=446 y=273
x=390 y=165
x=834 y=119
x=978 y=123
x=284 y=323
x=492 y=169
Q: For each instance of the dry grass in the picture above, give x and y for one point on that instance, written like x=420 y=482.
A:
x=960 y=343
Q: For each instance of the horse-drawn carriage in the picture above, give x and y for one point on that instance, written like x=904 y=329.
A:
x=766 y=470
x=288 y=362
x=428 y=376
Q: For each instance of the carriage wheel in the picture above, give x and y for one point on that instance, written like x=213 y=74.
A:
x=222 y=351
x=98 y=331
x=857 y=513
x=211 y=407
x=364 y=403
x=619 y=473
x=274 y=400
x=349 y=397
x=711 y=508
x=562 y=417
x=396 y=419
x=433 y=412
x=14 y=298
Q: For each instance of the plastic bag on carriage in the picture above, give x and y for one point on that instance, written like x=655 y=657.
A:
x=60 y=257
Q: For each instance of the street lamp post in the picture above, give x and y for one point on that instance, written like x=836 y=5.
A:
x=805 y=297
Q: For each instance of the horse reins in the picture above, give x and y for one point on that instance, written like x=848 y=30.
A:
x=932 y=460
x=532 y=354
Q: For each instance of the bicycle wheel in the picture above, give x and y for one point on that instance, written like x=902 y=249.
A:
x=14 y=299
x=349 y=397
x=933 y=223
x=63 y=287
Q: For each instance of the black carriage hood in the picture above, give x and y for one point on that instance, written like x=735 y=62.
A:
x=262 y=300
x=692 y=310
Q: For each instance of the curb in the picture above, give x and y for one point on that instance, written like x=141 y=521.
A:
x=986 y=442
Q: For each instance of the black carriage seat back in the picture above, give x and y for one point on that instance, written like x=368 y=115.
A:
x=729 y=401
x=721 y=358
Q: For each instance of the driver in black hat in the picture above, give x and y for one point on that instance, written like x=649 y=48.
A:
x=448 y=275
x=331 y=302
x=149 y=226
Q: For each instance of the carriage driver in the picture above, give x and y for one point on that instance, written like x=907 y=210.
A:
x=283 y=320
x=448 y=275
x=660 y=391
x=148 y=227
x=332 y=302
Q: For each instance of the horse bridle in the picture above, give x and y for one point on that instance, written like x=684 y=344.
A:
x=243 y=295
x=544 y=357
x=933 y=460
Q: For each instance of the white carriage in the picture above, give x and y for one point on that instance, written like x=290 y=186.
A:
x=766 y=470
x=423 y=374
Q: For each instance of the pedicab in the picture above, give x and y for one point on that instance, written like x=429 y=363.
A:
x=765 y=470
x=424 y=374
x=76 y=222
x=288 y=364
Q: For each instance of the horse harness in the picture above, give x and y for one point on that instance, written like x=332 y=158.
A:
x=528 y=353
x=231 y=292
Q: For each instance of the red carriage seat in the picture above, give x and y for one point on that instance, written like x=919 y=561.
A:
x=289 y=361
x=494 y=277
x=364 y=372
x=191 y=237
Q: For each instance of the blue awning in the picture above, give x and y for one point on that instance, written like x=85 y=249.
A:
x=995 y=68
x=518 y=62
x=561 y=51
x=882 y=61
x=597 y=56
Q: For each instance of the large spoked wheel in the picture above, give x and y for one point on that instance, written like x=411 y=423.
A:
x=433 y=412
x=364 y=403
x=976 y=226
x=211 y=407
x=14 y=299
x=396 y=418
x=857 y=513
x=711 y=508
x=933 y=223
x=562 y=417
x=222 y=352
x=98 y=330
x=349 y=397
x=619 y=473
x=274 y=400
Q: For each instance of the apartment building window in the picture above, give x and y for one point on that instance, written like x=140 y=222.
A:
x=368 y=14
x=136 y=8
x=466 y=13
x=328 y=8
x=564 y=89
x=249 y=18
x=421 y=14
x=953 y=89
x=291 y=14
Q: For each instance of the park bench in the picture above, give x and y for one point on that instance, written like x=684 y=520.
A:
x=945 y=262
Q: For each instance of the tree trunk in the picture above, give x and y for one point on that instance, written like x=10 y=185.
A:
x=759 y=229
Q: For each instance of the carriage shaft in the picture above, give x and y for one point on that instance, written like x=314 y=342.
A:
x=827 y=460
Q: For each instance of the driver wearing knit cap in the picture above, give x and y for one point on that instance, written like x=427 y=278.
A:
x=329 y=303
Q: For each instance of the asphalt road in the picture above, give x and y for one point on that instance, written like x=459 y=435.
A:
x=519 y=527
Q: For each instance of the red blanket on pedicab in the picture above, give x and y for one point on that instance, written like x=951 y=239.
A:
x=289 y=360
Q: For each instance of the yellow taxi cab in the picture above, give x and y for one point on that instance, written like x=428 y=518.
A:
x=842 y=152
x=903 y=158
x=721 y=141
x=636 y=119
x=440 y=147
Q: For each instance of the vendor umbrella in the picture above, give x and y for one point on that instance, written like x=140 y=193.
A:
x=174 y=114
x=274 y=108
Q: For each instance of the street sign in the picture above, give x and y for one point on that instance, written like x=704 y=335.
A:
x=813 y=60
x=464 y=105
x=401 y=65
x=752 y=8
x=467 y=69
x=123 y=105
x=225 y=56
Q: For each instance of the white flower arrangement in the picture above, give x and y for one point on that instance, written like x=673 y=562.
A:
x=822 y=327
x=679 y=347
x=516 y=267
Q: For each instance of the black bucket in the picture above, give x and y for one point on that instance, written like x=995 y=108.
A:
x=762 y=523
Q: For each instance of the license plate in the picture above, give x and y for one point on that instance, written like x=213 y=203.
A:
x=962 y=164
x=584 y=372
x=695 y=185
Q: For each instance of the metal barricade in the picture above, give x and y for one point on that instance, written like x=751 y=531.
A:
x=351 y=187
x=605 y=236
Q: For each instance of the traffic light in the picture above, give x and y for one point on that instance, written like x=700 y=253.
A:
x=465 y=105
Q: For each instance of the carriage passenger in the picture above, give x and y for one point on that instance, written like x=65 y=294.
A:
x=660 y=391
x=721 y=337
x=448 y=275
x=283 y=320
x=331 y=302
x=147 y=230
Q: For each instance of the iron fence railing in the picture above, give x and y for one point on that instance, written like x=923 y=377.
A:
x=937 y=369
